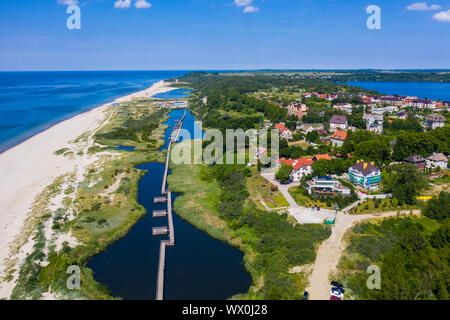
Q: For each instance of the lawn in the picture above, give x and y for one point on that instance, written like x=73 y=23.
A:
x=304 y=201
x=380 y=205
x=261 y=189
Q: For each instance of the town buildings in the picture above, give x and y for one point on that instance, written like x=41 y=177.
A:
x=437 y=160
x=365 y=175
x=417 y=161
x=285 y=133
x=338 y=138
x=338 y=122
x=326 y=186
x=297 y=109
x=300 y=167
x=346 y=107
x=374 y=123
x=435 y=120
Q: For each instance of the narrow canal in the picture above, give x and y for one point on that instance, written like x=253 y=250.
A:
x=198 y=267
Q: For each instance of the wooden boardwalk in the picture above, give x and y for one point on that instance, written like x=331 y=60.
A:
x=171 y=241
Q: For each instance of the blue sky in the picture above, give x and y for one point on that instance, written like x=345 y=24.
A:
x=206 y=34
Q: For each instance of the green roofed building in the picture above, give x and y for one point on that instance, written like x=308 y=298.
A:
x=365 y=175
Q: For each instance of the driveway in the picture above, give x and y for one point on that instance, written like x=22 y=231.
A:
x=301 y=214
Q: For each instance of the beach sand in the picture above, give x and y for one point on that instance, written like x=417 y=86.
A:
x=31 y=166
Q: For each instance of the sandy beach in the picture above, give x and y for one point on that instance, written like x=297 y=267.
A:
x=31 y=166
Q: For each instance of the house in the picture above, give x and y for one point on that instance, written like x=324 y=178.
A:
x=435 y=120
x=402 y=115
x=326 y=186
x=346 y=107
x=338 y=138
x=437 y=160
x=338 y=122
x=417 y=161
x=383 y=110
x=297 y=109
x=285 y=133
x=423 y=104
x=446 y=104
x=300 y=167
x=365 y=175
x=374 y=123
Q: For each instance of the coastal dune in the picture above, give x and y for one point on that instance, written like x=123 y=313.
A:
x=31 y=166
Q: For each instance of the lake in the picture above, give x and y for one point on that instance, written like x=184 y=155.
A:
x=429 y=90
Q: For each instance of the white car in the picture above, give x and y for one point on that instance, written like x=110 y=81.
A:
x=335 y=292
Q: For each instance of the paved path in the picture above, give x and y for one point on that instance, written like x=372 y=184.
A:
x=331 y=250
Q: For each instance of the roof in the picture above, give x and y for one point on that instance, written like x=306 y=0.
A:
x=414 y=159
x=338 y=119
x=438 y=157
x=322 y=156
x=339 y=135
x=297 y=163
x=365 y=167
x=436 y=117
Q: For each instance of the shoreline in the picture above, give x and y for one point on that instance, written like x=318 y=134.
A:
x=32 y=165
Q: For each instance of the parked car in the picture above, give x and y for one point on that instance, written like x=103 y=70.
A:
x=336 y=284
x=318 y=208
x=306 y=295
x=313 y=208
x=334 y=298
x=337 y=293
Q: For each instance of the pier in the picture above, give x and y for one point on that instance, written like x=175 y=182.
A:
x=160 y=231
x=160 y=199
x=159 y=213
x=174 y=136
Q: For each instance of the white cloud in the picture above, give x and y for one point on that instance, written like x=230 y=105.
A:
x=68 y=2
x=443 y=16
x=242 y=3
x=142 y=4
x=251 y=9
x=423 y=6
x=122 y=4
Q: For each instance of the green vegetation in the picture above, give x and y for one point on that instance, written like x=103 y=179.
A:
x=283 y=174
x=215 y=199
x=411 y=252
x=439 y=207
x=404 y=182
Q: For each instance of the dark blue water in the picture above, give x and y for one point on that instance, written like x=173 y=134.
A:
x=428 y=90
x=174 y=94
x=198 y=267
x=31 y=102
x=123 y=148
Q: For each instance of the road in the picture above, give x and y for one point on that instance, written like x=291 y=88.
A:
x=330 y=252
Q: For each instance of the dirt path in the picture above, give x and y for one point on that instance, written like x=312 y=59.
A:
x=331 y=250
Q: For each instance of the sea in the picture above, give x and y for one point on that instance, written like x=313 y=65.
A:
x=31 y=102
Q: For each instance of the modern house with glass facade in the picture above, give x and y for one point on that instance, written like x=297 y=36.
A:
x=365 y=175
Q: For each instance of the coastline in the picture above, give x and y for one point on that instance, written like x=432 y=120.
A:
x=31 y=166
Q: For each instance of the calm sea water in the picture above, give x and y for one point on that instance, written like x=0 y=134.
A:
x=429 y=90
x=31 y=102
x=197 y=267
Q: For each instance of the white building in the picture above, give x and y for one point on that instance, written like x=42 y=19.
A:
x=437 y=160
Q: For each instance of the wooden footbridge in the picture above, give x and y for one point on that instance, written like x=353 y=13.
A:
x=167 y=197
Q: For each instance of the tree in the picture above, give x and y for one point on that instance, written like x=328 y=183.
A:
x=284 y=173
x=439 y=207
x=312 y=136
x=405 y=183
